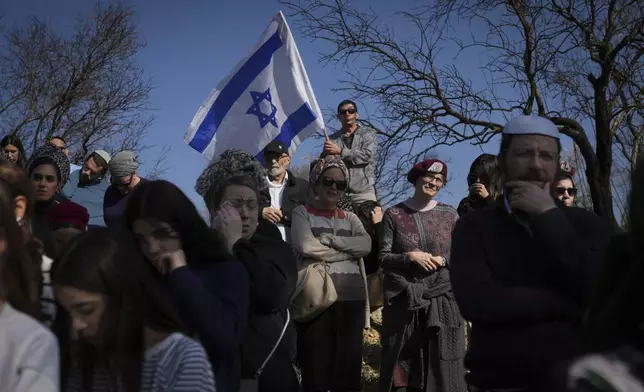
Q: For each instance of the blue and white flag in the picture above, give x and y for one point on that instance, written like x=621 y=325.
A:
x=267 y=97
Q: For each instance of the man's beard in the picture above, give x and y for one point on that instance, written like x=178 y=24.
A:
x=276 y=171
x=85 y=179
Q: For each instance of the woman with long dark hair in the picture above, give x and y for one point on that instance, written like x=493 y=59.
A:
x=29 y=354
x=483 y=184
x=131 y=337
x=37 y=265
x=208 y=288
x=13 y=150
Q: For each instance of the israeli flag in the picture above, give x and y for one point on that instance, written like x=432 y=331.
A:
x=267 y=97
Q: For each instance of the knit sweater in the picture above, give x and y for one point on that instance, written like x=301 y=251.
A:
x=338 y=238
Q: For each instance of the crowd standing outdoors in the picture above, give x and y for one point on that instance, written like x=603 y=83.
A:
x=112 y=282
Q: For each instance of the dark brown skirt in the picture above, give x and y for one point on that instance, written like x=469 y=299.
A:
x=329 y=348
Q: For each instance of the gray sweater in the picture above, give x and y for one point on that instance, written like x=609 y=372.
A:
x=29 y=359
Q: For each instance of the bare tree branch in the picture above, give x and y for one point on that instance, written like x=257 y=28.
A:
x=570 y=62
x=85 y=86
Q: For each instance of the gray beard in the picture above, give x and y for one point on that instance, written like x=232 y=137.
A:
x=274 y=171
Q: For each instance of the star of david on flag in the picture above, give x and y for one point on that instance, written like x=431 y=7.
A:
x=258 y=98
x=266 y=97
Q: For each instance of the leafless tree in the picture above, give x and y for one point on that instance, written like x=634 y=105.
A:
x=85 y=87
x=157 y=167
x=578 y=62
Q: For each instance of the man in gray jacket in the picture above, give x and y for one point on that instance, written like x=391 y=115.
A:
x=357 y=146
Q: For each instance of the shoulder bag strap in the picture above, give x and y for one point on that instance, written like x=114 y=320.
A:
x=261 y=368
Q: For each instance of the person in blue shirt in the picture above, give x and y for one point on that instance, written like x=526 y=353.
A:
x=87 y=186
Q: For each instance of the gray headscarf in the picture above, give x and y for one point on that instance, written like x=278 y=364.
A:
x=231 y=163
x=123 y=164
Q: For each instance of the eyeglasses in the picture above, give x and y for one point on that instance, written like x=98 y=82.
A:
x=345 y=111
x=125 y=184
x=238 y=203
x=563 y=190
x=275 y=157
x=329 y=182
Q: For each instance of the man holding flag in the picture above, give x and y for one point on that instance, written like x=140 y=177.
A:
x=357 y=146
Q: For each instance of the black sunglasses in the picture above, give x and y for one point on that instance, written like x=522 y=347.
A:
x=562 y=190
x=345 y=111
x=329 y=182
x=126 y=184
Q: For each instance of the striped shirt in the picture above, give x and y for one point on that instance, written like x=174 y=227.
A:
x=177 y=364
x=47 y=300
x=313 y=238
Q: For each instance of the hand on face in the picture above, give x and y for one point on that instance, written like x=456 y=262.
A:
x=228 y=224
x=376 y=215
x=530 y=197
x=479 y=190
x=331 y=148
x=170 y=261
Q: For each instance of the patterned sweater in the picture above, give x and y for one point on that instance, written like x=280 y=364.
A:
x=313 y=238
x=406 y=230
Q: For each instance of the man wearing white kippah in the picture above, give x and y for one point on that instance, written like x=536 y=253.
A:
x=521 y=268
x=87 y=186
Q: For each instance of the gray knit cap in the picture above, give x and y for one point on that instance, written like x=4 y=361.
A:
x=123 y=164
x=231 y=163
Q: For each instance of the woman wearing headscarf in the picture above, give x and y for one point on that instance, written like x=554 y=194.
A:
x=483 y=184
x=422 y=331
x=48 y=171
x=231 y=187
x=330 y=345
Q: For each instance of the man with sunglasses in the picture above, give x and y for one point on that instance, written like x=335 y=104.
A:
x=285 y=191
x=87 y=186
x=357 y=146
x=564 y=187
x=123 y=177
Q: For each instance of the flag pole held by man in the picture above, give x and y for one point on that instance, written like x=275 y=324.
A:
x=267 y=97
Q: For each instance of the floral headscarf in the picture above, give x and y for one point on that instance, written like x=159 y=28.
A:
x=231 y=163
x=319 y=166
x=50 y=154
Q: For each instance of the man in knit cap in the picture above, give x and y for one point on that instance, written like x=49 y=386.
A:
x=521 y=268
x=87 y=186
x=123 y=172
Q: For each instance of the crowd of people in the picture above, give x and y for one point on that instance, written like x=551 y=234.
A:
x=113 y=282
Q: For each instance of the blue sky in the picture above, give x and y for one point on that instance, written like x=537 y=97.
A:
x=192 y=45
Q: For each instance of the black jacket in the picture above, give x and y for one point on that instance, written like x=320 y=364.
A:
x=523 y=290
x=272 y=269
x=295 y=194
